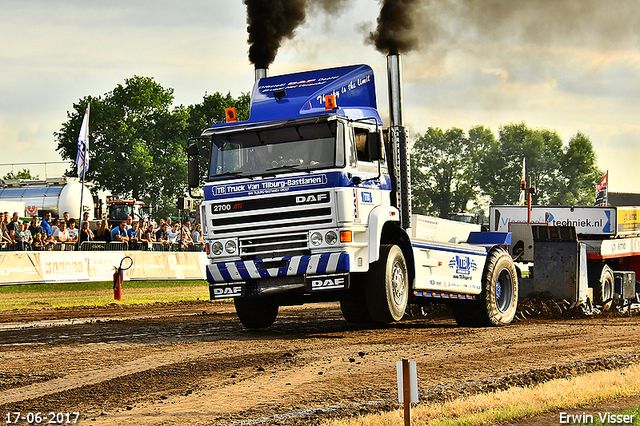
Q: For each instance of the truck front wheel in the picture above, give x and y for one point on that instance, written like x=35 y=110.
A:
x=387 y=289
x=258 y=312
x=353 y=305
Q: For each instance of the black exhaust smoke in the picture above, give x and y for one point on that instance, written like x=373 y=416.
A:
x=394 y=34
x=269 y=22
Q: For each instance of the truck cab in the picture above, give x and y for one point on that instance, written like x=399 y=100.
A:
x=301 y=204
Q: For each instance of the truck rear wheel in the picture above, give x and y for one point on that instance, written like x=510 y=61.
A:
x=258 y=312
x=601 y=280
x=387 y=289
x=500 y=288
x=499 y=300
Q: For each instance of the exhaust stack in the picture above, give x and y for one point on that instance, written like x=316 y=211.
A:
x=399 y=137
x=261 y=73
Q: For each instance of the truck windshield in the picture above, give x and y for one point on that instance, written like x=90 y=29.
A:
x=300 y=147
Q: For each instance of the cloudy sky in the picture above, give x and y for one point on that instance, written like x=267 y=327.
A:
x=568 y=65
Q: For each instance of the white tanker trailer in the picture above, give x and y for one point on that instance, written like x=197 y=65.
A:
x=54 y=195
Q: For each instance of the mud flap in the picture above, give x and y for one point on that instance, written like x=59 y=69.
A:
x=317 y=283
x=227 y=291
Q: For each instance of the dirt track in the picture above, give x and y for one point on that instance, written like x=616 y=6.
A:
x=192 y=363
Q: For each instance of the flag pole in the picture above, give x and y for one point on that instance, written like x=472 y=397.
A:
x=84 y=138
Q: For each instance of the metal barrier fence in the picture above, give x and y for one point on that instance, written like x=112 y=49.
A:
x=109 y=246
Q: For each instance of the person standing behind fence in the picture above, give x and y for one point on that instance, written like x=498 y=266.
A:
x=28 y=237
x=134 y=235
x=119 y=233
x=196 y=235
x=61 y=234
x=162 y=235
x=55 y=224
x=73 y=231
x=12 y=227
x=19 y=238
x=3 y=228
x=38 y=234
x=46 y=224
x=85 y=234
x=85 y=218
x=34 y=228
x=103 y=233
x=149 y=235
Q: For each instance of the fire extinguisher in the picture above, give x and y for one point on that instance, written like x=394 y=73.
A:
x=118 y=276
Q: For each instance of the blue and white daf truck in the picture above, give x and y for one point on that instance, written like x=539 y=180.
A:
x=309 y=200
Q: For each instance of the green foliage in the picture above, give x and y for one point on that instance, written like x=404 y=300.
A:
x=21 y=174
x=212 y=111
x=138 y=141
x=450 y=169
x=443 y=170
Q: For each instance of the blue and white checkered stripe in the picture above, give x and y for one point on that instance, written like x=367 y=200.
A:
x=327 y=263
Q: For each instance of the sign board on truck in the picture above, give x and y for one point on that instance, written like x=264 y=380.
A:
x=587 y=220
x=628 y=220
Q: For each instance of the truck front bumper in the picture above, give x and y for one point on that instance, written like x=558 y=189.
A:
x=316 y=264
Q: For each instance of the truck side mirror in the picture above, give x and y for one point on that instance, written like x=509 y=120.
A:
x=192 y=150
x=374 y=146
x=194 y=172
x=193 y=168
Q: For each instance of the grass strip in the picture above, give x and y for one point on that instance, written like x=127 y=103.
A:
x=515 y=403
x=57 y=295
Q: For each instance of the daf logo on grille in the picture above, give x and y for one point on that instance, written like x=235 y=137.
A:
x=312 y=198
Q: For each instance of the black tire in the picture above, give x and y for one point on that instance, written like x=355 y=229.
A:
x=256 y=312
x=500 y=288
x=499 y=300
x=387 y=289
x=468 y=313
x=353 y=305
x=601 y=280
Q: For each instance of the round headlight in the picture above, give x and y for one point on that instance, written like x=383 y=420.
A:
x=331 y=237
x=230 y=246
x=216 y=248
x=316 y=238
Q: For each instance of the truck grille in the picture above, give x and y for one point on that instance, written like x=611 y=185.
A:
x=273 y=245
x=274 y=226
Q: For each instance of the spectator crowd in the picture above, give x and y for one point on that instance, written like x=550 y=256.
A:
x=63 y=234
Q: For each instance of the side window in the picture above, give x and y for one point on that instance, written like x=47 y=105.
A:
x=360 y=136
x=352 y=148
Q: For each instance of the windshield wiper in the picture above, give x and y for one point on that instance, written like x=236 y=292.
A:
x=236 y=174
x=286 y=166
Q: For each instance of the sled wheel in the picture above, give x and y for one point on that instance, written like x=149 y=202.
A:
x=601 y=280
x=387 y=287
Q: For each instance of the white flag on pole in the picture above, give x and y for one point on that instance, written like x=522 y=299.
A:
x=82 y=159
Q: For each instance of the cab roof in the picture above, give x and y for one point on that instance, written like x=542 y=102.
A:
x=302 y=94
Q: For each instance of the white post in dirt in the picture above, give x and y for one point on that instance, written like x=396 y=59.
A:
x=407 y=386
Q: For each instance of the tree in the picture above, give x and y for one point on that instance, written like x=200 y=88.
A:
x=443 y=165
x=137 y=144
x=502 y=163
x=212 y=111
x=450 y=169
x=560 y=175
x=21 y=174
x=580 y=171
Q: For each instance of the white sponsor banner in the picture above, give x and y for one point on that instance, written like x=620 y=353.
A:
x=69 y=266
x=587 y=220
